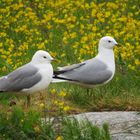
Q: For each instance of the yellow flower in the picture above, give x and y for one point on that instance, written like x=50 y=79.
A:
x=2 y=34
x=75 y=45
x=62 y=94
x=73 y=35
x=66 y=108
x=37 y=129
x=1 y=44
x=53 y=91
x=56 y=102
x=41 y=45
x=94 y=28
x=131 y=67
x=84 y=39
x=107 y=14
x=59 y=138
x=61 y=104
x=93 y=13
x=137 y=62
x=42 y=105
x=63 y=55
x=3 y=56
x=82 y=51
x=53 y=54
x=4 y=68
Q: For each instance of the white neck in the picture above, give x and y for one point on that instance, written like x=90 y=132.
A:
x=107 y=56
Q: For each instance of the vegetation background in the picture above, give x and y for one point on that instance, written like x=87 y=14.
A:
x=70 y=30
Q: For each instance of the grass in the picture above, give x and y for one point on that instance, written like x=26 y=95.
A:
x=85 y=131
x=113 y=96
x=20 y=125
x=122 y=93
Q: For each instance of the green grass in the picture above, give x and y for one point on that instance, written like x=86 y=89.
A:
x=74 y=130
x=20 y=125
x=122 y=93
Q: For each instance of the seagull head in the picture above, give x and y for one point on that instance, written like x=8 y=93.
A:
x=42 y=57
x=107 y=42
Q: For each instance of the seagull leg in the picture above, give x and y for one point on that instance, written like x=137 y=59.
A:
x=41 y=95
x=12 y=102
x=28 y=100
x=88 y=92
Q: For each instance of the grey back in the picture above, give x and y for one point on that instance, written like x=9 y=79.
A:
x=92 y=72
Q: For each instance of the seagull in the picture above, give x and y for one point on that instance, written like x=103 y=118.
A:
x=90 y=73
x=32 y=77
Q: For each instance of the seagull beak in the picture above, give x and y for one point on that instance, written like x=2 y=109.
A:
x=116 y=43
x=53 y=60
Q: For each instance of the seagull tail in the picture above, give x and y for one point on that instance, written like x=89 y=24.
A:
x=55 y=80
x=59 y=77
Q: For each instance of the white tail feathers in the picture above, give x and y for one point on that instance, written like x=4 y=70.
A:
x=54 y=80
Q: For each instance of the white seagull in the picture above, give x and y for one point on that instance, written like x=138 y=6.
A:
x=31 y=77
x=96 y=71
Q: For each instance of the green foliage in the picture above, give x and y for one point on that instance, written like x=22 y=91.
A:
x=20 y=125
x=28 y=126
x=83 y=130
x=122 y=93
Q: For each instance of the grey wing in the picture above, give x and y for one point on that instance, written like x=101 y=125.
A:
x=93 y=72
x=22 y=78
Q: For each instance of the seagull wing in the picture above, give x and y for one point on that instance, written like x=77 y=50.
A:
x=92 y=71
x=22 y=78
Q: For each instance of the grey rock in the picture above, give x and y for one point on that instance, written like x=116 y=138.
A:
x=122 y=125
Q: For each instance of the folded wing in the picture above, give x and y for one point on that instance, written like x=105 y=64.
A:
x=91 y=72
x=22 y=78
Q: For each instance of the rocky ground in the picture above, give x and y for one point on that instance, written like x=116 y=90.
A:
x=122 y=125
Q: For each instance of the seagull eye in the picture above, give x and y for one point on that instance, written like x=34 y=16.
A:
x=44 y=57
x=109 y=41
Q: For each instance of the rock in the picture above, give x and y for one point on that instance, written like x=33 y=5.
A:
x=122 y=125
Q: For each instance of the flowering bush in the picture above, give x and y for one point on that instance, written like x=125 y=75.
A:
x=68 y=29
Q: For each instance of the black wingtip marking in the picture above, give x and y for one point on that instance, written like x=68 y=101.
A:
x=62 y=78
x=2 y=91
x=59 y=72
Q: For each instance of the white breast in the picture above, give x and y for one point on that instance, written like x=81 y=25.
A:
x=46 y=72
x=107 y=56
